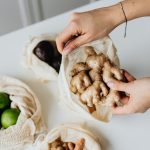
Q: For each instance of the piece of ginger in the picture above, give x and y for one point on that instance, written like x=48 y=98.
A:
x=94 y=60
x=113 y=99
x=58 y=144
x=89 y=50
x=80 y=145
x=95 y=75
x=78 y=67
x=110 y=72
x=94 y=93
x=80 y=82
x=89 y=78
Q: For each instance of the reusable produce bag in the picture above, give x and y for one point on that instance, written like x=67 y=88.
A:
x=72 y=101
x=42 y=70
x=71 y=133
x=29 y=123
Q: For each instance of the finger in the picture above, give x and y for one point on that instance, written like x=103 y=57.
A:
x=122 y=110
x=128 y=76
x=125 y=100
x=65 y=36
x=75 y=43
x=118 y=85
x=59 y=43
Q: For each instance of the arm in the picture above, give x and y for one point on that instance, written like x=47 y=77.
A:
x=94 y=24
x=136 y=8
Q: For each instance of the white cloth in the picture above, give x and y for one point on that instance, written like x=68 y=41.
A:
x=42 y=70
x=29 y=123
x=71 y=133
x=70 y=100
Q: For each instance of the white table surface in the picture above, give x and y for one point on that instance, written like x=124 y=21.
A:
x=130 y=132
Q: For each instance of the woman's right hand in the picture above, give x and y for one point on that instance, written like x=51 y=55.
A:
x=88 y=26
x=138 y=99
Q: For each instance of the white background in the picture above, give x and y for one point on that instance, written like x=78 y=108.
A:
x=15 y=14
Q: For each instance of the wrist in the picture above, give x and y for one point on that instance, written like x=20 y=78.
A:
x=116 y=15
x=113 y=15
x=136 y=8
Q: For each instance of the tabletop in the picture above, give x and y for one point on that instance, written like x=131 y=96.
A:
x=123 y=132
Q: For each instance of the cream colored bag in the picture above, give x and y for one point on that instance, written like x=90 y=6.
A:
x=29 y=123
x=71 y=133
x=42 y=70
x=70 y=100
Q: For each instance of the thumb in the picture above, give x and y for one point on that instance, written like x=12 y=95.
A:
x=75 y=43
x=118 y=85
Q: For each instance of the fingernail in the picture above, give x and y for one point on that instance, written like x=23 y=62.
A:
x=110 y=84
x=66 y=51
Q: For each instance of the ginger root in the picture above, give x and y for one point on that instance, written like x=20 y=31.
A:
x=94 y=93
x=111 y=72
x=113 y=99
x=89 y=78
x=78 y=68
x=60 y=145
x=90 y=51
x=80 y=145
x=95 y=75
x=95 y=61
x=80 y=82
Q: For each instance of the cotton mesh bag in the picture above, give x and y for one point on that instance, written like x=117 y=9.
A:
x=71 y=101
x=29 y=123
x=43 y=71
x=71 y=133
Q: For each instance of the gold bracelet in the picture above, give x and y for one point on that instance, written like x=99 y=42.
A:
x=126 y=20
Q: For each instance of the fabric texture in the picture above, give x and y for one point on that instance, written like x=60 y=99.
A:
x=71 y=133
x=70 y=100
x=29 y=123
x=42 y=70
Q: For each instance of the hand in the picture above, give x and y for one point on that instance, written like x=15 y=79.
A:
x=88 y=26
x=139 y=94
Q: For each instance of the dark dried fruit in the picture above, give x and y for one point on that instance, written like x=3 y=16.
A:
x=44 y=51
x=47 y=52
x=55 y=64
